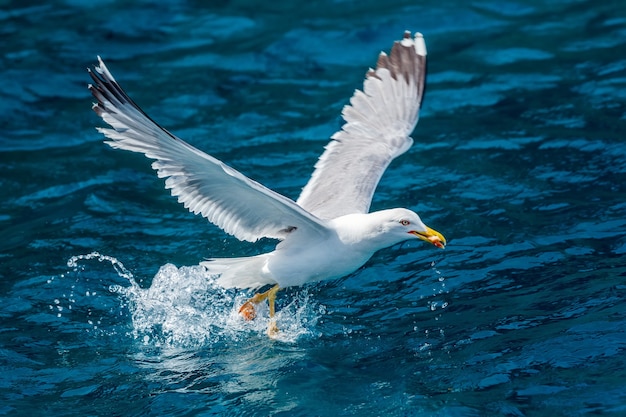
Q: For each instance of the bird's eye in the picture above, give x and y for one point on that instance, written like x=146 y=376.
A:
x=405 y=222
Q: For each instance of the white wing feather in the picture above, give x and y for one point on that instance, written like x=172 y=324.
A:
x=378 y=122
x=205 y=185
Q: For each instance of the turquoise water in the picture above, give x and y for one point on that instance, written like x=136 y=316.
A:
x=520 y=161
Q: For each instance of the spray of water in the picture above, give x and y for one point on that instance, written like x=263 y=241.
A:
x=184 y=307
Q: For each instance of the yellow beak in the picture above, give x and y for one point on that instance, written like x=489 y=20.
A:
x=431 y=236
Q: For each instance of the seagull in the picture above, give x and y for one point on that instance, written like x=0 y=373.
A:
x=328 y=232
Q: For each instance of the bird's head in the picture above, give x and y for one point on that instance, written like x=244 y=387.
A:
x=406 y=224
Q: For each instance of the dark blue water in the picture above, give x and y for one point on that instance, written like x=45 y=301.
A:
x=520 y=161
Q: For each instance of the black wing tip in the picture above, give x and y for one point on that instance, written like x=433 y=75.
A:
x=110 y=97
x=416 y=41
x=104 y=88
x=407 y=59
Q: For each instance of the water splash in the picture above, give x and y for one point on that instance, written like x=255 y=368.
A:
x=184 y=307
x=119 y=267
x=84 y=296
x=438 y=290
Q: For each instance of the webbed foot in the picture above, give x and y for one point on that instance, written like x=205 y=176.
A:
x=248 y=311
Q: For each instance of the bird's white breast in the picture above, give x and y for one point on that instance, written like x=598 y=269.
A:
x=318 y=261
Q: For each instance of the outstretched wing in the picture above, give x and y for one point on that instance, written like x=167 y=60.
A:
x=205 y=185
x=378 y=122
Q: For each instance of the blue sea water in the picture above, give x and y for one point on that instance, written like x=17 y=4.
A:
x=519 y=160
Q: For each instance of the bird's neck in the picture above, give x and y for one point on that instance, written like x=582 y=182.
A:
x=363 y=231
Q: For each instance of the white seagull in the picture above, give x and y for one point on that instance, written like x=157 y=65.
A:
x=328 y=232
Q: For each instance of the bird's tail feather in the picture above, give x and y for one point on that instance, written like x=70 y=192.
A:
x=239 y=272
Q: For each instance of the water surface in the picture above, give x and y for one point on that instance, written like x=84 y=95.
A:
x=519 y=161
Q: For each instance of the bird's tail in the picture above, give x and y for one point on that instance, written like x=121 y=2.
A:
x=239 y=272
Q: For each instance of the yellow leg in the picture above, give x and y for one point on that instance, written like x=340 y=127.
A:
x=272 y=329
x=248 y=311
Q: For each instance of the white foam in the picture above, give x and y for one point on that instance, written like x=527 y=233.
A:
x=184 y=307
